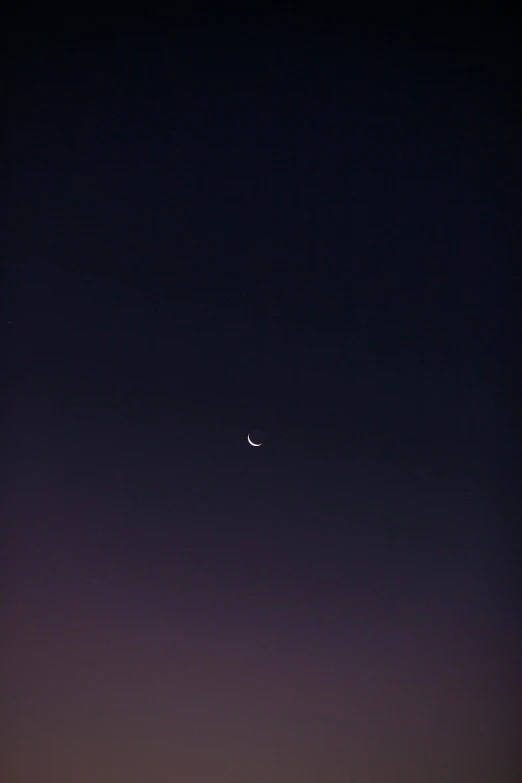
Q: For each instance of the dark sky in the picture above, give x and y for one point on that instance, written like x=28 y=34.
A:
x=307 y=229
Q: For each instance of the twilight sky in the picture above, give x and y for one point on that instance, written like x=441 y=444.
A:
x=309 y=229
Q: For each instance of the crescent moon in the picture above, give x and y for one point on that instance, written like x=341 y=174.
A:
x=252 y=442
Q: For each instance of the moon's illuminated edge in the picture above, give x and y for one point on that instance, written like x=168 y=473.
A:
x=252 y=442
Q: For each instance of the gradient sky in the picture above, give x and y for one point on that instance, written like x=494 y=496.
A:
x=312 y=230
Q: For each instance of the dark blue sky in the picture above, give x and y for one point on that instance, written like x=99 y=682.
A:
x=215 y=229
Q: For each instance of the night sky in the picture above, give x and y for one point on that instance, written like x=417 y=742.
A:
x=302 y=228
